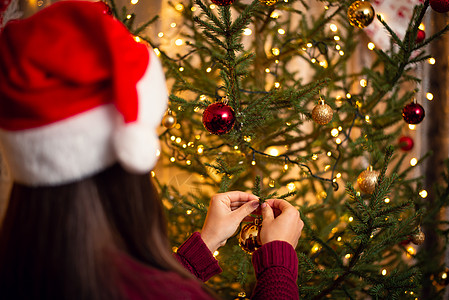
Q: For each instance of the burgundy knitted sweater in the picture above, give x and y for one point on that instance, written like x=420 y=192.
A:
x=275 y=265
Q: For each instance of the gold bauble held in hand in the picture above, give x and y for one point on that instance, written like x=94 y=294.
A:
x=360 y=14
x=249 y=237
x=367 y=180
x=322 y=113
x=169 y=120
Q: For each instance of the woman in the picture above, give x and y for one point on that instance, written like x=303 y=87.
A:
x=79 y=104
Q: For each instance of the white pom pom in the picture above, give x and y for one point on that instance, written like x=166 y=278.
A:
x=136 y=146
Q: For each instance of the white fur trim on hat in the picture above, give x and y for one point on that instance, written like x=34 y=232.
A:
x=61 y=152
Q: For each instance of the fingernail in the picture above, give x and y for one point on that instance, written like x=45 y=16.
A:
x=255 y=204
x=263 y=205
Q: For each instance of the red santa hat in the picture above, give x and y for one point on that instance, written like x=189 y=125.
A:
x=77 y=94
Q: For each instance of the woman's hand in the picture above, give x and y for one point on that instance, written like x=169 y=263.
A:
x=281 y=222
x=226 y=212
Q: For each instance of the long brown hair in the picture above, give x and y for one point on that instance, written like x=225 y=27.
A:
x=60 y=242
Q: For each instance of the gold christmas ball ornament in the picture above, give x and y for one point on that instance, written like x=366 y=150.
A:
x=360 y=14
x=169 y=120
x=249 y=237
x=268 y=2
x=419 y=237
x=322 y=113
x=367 y=180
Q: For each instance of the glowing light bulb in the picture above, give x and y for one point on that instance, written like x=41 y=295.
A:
x=188 y=162
x=335 y=132
x=314 y=156
x=209 y=69
x=432 y=61
x=134 y=2
x=411 y=126
x=363 y=82
x=384 y=272
x=371 y=46
x=247 y=31
x=179 y=7
x=423 y=193
x=387 y=200
x=275 y=51
x=413 y=162
x=333 y=27
x=281 y=31
x=160 y=34
x=429 y=96
x=179 y=42
x=336 y=38
x=172 y=159
x=291 y=186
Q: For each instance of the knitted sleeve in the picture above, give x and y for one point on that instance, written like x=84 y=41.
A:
x=197 y=258
x=276 y=268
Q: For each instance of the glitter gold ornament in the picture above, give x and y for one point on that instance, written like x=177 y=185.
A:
x=367 y=180
x=360 y=14
x=419 y=237
x=322 y=113
x=268 y=2
x=169 y=120
x=249 y=237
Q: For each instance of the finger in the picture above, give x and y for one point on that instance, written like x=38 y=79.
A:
x=267 y=212
x=246 y=209
x=238 y=196
x=279 y=204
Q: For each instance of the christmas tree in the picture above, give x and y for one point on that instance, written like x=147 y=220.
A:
x=293 y=100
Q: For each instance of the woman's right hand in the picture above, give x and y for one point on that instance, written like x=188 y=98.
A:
x=281 y=222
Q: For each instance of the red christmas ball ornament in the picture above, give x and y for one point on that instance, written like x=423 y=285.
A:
x=222 y=2
x=106 y=8
x=218 y=118
x=406 y=143
x=413 y=113
x=440 y=6
x=420 y=36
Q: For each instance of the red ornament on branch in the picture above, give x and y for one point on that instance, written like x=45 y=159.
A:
x=420 y=36
x=413 y=113
x=219 y=118
x=222 y=2
x=406 y=143
x=441 y=6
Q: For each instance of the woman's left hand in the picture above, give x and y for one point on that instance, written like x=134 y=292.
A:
x=226 y=212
